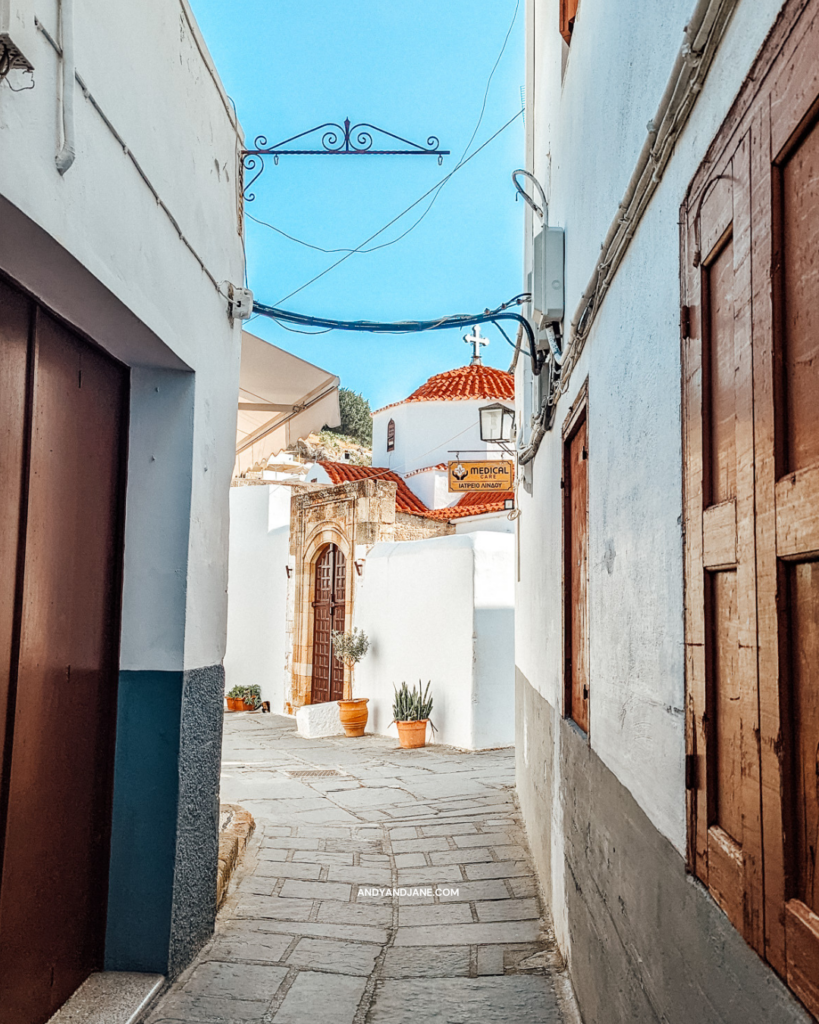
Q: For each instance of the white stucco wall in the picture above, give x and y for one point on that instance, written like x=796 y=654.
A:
x=583 y=151
x=257 y=591
x=442 y=610
x=135 y=258
x=427 y=433
x=432 y=487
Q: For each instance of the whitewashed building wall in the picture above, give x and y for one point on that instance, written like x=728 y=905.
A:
x=441 y=610
x=133 y=247
x=587 y=108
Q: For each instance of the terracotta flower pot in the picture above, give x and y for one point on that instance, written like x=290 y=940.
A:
x=353 y=715
x=412 y=734
x=235 y=704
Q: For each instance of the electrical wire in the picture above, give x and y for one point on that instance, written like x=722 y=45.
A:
x=380 y=231
x=409 y=326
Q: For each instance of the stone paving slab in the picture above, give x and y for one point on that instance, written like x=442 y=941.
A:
x=398 y=893
x=321 y=999
x=507 y=1000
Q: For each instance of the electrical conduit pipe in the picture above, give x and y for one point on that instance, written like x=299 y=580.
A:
x=66 y=153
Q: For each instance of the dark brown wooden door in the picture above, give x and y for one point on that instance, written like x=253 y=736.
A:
x=576 y=570
x=328 y=615
x=63 y=408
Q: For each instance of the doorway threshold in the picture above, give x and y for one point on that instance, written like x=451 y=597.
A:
x=110 y=997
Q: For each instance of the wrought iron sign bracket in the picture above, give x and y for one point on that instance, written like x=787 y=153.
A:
x=336 y=140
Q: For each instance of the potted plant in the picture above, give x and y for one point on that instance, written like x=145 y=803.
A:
x=350 y=648
x=410 y=712
x=236 y=699
x=252 y=698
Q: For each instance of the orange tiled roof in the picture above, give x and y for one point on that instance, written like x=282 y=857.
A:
x=474 y=503
x=465 y=383
x=405 y=500
x=425 y=469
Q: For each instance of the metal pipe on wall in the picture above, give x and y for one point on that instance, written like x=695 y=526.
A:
x=67 y=153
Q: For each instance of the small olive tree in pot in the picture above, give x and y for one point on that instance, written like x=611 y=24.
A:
x=350 y=647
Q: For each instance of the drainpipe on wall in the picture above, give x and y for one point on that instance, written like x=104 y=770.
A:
x=66 y=153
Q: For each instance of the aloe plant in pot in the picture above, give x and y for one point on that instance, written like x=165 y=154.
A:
x=410 y=712
x=236 y=698
x=350 y=648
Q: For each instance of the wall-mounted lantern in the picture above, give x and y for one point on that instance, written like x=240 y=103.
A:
x=497 y=422
x=359 y=565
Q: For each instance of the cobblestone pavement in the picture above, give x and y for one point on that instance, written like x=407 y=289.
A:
x=312 y=931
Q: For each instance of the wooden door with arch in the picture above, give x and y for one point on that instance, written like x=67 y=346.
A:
x=722 y=719
x=329 y=614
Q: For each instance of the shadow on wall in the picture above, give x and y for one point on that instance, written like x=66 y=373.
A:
x=256 y=650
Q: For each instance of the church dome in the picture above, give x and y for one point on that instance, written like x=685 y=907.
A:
x=466 y=383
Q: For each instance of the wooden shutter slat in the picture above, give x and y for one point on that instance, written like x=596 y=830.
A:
x=753 y=902
x=802 y=929
x=719 y=535
x=797 y=522
x=726 y=881
x=764 y=255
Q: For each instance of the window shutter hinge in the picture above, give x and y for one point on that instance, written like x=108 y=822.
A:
x=685 y=322
x=690 y=771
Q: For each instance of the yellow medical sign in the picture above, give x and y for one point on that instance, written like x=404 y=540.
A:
x=487 y=475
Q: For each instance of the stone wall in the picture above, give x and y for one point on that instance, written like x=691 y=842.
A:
x=409 y=527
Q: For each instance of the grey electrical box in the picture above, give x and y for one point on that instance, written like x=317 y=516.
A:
x=547 y=276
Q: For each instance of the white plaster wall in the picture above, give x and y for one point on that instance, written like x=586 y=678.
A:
x=583 y=151
x=97 y=246
x=257 y=591
x=427 y=433
x=442 y=610
x=432 y=487
x=496 y=522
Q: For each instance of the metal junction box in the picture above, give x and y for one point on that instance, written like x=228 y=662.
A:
x=547 y=276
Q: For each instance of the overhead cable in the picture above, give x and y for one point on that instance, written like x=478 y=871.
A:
x=489 y=316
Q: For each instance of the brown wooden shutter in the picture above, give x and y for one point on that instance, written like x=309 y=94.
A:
x=790 y=380
x=724 y=808
x=751 y=478
x=576 y=562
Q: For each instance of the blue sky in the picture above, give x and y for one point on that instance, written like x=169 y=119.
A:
x=416 y=69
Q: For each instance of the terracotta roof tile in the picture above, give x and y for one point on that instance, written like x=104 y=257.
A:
x=405 y=500
x=466 y=383
x=474 y=503
x=426 y=469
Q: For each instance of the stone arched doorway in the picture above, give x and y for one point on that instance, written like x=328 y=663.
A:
x=329 y=597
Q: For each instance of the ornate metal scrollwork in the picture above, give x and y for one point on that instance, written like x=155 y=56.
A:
x=335 y=140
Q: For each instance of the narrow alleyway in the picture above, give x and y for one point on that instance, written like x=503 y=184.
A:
x=308 y=936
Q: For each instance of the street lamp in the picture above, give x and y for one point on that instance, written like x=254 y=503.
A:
x=497 y=422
